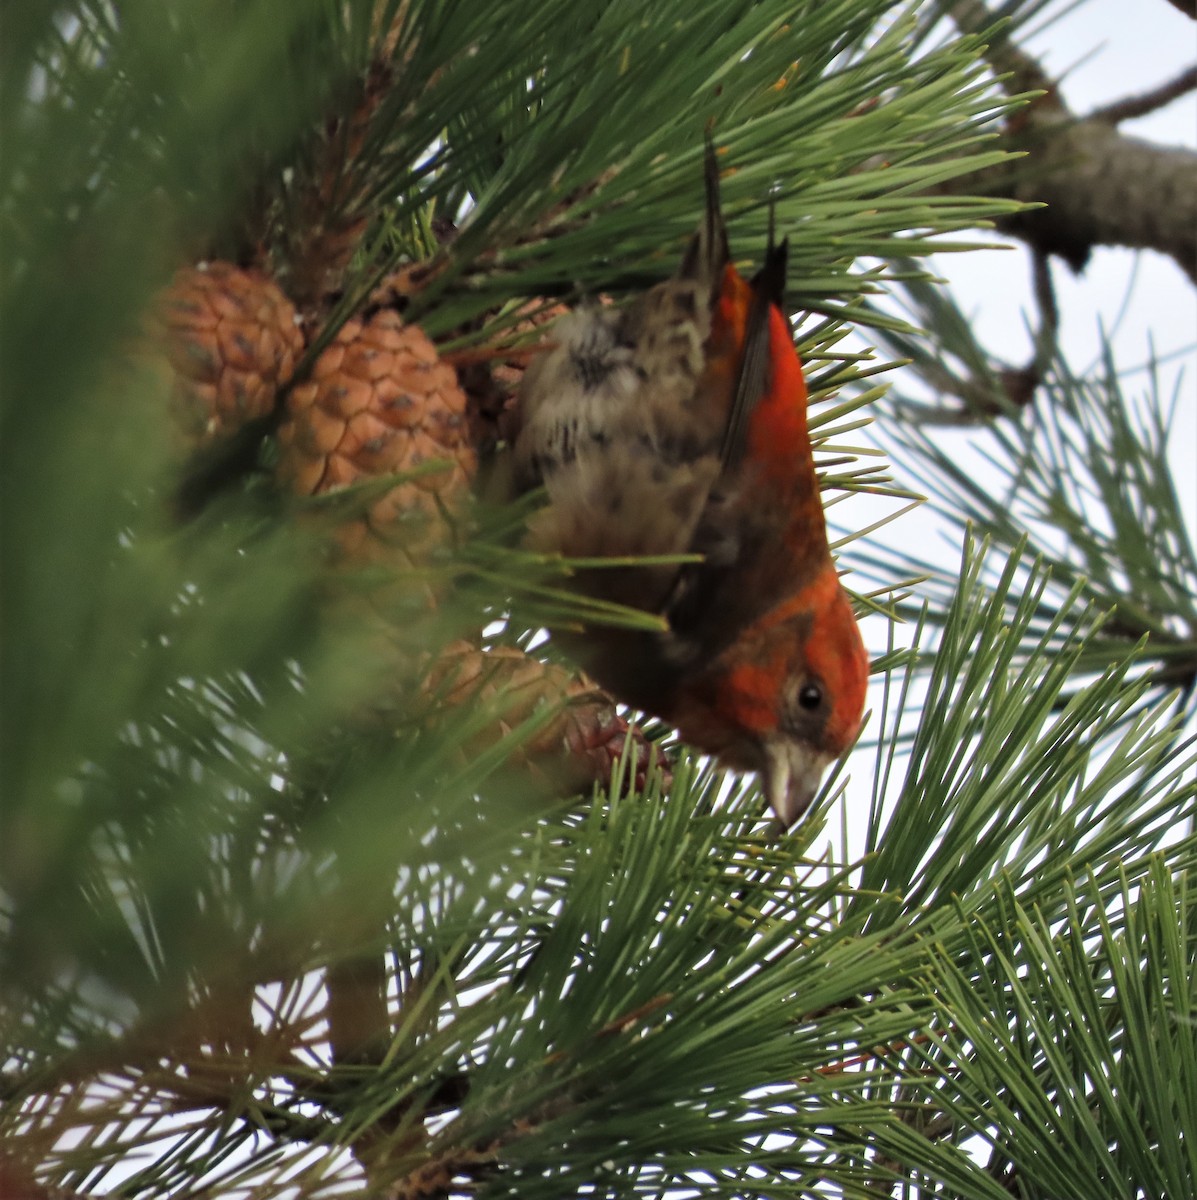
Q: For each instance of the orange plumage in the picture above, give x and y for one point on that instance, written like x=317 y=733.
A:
x=679 y=425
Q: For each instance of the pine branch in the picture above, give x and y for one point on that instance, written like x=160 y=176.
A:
x=986 y=386
x=358 y=1025
x=1147 y=102
x=1086 y=476
x=698 y=956
x=1055 y=1028
x=1100 y=187
x=279 y=911
x=18 y=1184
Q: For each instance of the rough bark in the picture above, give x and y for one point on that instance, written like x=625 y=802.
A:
x=1100 y=187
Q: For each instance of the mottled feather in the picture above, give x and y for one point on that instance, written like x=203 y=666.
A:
x=677 y=425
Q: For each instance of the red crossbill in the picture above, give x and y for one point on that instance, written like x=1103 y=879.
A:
x=677 y=425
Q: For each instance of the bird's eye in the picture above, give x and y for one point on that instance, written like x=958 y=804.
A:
x=810 y=696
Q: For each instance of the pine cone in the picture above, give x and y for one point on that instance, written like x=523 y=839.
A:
x=536 y=317
x=491 y=377
x=380 y=401
x=233 y=340
x=577 y=746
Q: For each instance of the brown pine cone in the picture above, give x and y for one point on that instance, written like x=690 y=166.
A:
x=491 y=376
x=536 y=317
x=578 y=745
x=233 y=340
x=380 y=401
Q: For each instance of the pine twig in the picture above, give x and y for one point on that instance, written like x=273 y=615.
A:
x=1008 y=389
x=434 y=1178
x=18 y=1183
x=1099 y=186
x=358 y=1023
x=922 y=1119
x=1147 y=102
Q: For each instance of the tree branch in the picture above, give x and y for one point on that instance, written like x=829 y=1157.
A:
x=1104 y=189
x=359 y=1026
x=1100 y=187
x=1147 y=102
x=1188 y=7
x=1001 y=389
x=18 y=1183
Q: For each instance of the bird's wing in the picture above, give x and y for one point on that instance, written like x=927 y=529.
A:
x=752 y=377
x=745 y=567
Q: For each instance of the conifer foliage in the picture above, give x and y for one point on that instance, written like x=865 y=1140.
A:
x=322 y=872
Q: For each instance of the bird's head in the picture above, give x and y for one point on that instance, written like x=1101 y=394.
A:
x=786 y=699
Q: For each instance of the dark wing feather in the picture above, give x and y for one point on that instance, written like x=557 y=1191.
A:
x=708 y=251
x=752 y=379
x=709 y=604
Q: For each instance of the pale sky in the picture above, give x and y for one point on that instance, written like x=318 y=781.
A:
x=1102 y=51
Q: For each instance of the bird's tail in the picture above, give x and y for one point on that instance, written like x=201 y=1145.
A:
x=708 y=252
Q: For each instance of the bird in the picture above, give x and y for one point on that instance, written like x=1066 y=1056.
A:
x=676 y=426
